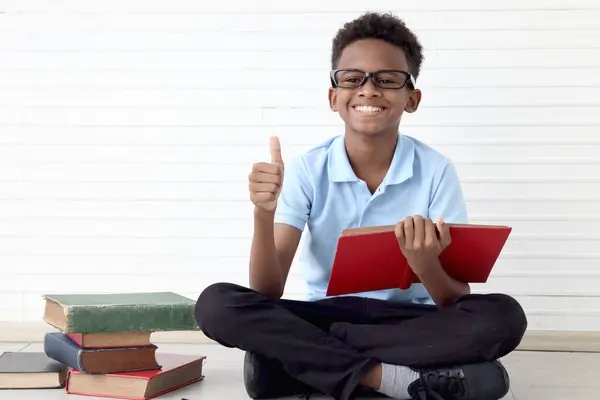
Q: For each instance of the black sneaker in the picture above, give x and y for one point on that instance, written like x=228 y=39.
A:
x=265 y=379
x=480 y=381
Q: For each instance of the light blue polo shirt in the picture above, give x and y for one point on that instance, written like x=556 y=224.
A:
x=322 y=193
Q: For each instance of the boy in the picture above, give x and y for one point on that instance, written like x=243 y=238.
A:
x=432 y=341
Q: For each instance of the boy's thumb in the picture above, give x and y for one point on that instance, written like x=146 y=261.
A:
x=275 y=147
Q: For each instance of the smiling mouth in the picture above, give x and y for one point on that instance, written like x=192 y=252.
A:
x=368 y=109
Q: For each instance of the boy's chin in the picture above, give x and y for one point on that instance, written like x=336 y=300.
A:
x=369 y=129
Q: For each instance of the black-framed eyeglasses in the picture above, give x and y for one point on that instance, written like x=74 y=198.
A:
x=352 y=78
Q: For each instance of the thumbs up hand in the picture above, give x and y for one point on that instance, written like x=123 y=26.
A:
x=266 y=179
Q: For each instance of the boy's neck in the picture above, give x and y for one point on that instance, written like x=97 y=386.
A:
x=370 y=157
x=371 y=153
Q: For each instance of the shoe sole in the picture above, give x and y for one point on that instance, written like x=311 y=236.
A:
x=261 y=383
x=506 y=378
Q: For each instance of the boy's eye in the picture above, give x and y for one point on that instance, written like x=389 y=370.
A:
x=388 y=78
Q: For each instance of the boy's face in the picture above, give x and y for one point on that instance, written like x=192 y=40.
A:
x=387 y=105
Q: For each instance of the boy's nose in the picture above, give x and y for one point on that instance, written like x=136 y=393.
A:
x=369 y=89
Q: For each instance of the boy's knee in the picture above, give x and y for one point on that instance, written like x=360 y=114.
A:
x=512 y=316
x=501 y=322
x=212 y=307
x=507 y=320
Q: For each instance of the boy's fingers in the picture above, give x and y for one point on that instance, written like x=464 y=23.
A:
x=430 y=231
x=444 y=230
x=260 y=187
x=400 y=232
x=409 y=232
x=275 y=147
x=266 y=168
x=419 y=230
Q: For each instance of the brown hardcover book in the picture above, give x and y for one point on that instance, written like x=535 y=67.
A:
x=60 y=347
x=111 y=340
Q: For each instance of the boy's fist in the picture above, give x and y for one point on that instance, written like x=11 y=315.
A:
x=266 y=179
x=421 y=240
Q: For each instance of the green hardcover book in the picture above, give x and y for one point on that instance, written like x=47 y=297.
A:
x=120 y=312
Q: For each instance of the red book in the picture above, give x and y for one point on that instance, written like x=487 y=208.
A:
x=177 y=371
x=370 y=258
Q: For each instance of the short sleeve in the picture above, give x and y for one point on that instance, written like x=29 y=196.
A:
x=448 y=200
x=293 y=207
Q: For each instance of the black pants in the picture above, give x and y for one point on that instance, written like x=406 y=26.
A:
x=332 y=343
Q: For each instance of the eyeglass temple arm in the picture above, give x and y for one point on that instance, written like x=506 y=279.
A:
x=413 y=81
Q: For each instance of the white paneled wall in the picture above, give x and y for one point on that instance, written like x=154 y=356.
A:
x=128 y=128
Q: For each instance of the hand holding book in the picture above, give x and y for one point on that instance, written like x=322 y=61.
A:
x=421 y=241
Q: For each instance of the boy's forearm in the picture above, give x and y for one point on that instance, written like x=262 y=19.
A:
x=442 y=287
x=265 y=266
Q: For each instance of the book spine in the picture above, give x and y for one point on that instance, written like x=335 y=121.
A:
x=62 y=349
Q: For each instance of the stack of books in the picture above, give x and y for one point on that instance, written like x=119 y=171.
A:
x=103 y=345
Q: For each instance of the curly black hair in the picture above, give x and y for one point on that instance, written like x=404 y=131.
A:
x=382 y=26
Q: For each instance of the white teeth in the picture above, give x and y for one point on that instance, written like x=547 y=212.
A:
x=367 y=109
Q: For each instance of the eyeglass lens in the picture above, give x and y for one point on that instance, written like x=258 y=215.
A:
x=384 y=79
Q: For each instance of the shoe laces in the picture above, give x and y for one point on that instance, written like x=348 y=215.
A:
x=435 y=383
x=307 y=395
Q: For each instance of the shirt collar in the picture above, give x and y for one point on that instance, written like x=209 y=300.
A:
x=400 y=169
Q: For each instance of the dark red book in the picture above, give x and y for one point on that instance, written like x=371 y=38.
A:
x=370 y=258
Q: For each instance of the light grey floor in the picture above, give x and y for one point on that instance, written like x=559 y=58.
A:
x=534 y=375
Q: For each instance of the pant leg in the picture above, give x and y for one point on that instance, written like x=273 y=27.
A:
x=475 y=328
x=293 y=332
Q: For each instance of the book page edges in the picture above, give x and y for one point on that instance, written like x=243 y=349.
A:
x=390 y=228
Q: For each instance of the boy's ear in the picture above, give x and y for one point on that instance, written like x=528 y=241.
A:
x=414 y=99
x=333 y=99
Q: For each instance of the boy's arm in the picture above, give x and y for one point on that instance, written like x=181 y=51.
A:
x=271 y=255
x=279 y=220
x=447 y=203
